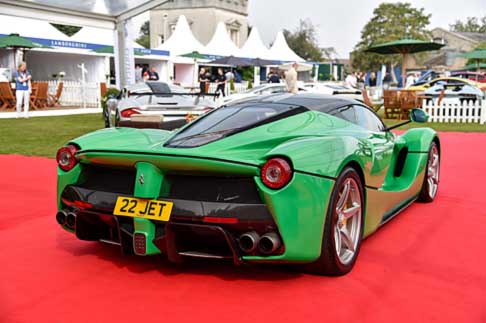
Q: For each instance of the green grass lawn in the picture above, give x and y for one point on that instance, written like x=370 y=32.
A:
x=42 y=136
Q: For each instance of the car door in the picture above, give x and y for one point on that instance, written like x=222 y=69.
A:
x=381 y=141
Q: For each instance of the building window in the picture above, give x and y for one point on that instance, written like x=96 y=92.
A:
x=235 y=36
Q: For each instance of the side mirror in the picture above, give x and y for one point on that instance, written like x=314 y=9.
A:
x=419 y=115
x=416 y=115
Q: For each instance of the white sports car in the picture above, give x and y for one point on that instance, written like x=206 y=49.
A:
x=155 y=105
x=268 y=88
x=332 y=88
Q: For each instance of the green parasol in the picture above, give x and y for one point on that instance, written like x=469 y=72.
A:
x=404 y=47
x=195 y=55
x=477 y=55
x=15 y=41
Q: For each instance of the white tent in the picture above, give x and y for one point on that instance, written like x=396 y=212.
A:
x=221 y=43
x=182 y=41
x=27 y=27
x=254 y=47
x=281 y=51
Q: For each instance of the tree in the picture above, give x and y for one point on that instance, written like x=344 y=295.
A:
x=472 y=24
x=303 y=41
x=66 y=29
x=390 y=21
x=144 y=35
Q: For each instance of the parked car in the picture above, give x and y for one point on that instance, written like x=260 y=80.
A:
x=283 y=178
x=263 y=89
x=473 y=76
x=333 y=88
x=453 y=93
x=155 y=104
x=449 y=81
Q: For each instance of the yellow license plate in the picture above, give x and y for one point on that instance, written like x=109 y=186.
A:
x=143 y=208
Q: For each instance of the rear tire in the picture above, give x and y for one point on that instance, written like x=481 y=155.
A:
x=343 y=230
x=430 y=185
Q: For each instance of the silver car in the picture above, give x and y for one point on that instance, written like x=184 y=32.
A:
x=155 y=105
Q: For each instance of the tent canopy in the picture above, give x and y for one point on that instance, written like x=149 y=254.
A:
x=254 y=47
x=182 y=41
x=221 y=43
x=281 y=51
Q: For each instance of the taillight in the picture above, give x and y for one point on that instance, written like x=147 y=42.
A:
x=129 y=112
x=66 y=157
x=276 y=173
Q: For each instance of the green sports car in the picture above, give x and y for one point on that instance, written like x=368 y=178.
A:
x=283 y=178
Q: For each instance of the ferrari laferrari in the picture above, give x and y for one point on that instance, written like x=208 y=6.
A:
x=296 y=179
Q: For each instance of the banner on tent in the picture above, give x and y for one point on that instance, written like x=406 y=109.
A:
x=79 y=45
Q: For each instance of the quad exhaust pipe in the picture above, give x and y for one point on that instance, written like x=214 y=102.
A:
x=266 y=244
x=248 y=241
x=61 y=217
x=269 y=243
x=66 y=218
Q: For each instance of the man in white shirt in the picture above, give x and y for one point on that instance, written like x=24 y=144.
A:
x=291 y=79
x=351 y=80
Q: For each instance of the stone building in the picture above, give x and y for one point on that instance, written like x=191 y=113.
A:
x=203 y=17
x=456 y=43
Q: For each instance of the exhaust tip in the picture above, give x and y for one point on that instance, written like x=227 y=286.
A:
x=61 y=217
x=71 y=220
x=248 y=241
x=269 y=243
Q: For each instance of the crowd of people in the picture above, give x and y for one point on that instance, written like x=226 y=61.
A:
x=222 y=78
x=360 y=80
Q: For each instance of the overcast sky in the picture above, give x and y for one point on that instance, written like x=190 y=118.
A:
x=340 y=22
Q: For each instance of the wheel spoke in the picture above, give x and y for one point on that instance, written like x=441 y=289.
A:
x=352 y=211
x=344 y=197
x=337 y=240
x=346 y=239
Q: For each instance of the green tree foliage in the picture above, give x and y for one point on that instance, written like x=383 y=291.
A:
x=390 y=21
x=66 y=29
x=144 y=36
x=303 y=42
x=472 y=24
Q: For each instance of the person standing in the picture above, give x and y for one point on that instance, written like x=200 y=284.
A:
x=229 y=76
x=291 y=79
x=221 y=82
x=372 y=79
x=22 y=89
x=351 y=80
x=153 y=76
x=273 y=77
x=203 y=80
x=138 y=74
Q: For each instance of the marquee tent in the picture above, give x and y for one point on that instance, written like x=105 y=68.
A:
x=108 y=14
x=280 y=50
x=254 y=47
x=221 y=43
x=182 y=41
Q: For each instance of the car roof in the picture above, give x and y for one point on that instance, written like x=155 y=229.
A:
x=311 y=101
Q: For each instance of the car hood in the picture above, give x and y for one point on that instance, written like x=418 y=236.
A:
x=249 y=146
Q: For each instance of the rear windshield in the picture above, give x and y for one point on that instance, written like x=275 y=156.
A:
x=229 y=120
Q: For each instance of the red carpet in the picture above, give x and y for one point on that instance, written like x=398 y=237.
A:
x=427 y=265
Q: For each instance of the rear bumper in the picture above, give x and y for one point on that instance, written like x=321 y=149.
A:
x=195 y=229
x=296 y=213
